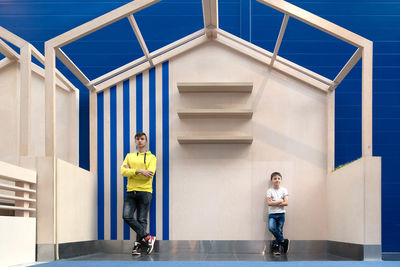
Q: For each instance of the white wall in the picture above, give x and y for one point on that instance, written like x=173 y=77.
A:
x=354 y=202
x=67 y=118
x=17 y=240
x=76 y=203
x=9 y=112
x=218 y=191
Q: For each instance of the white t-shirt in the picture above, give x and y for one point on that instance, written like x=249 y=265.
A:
x=276 y=194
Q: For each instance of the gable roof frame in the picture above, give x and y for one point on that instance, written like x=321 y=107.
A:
x=212 y=31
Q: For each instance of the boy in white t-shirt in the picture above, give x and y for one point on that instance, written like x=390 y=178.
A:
x=277 y=199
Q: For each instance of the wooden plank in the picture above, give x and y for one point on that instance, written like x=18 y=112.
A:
x=215 y=139
x=7 y=51
x=40 y=71
x=59 y=75
x=367 y=100
x=50 y=101
x=15 y=173
x=215 y=87
x=291 y=69
x=215 y=113
x=163 y=57
x=280 y=37
x=72 y=67
x=141 y=60
x=5 y=62
x=139 y=37
x=347 y=68
x=4 y=207
x=25 y=98
x=331 y=131
x=177 y=43
x=12 y=38
x=16 y=188
x=244 y=44
x=210 y=13
x=93 y=130
x=316 y=22
x=9 y=197
x=100 y=22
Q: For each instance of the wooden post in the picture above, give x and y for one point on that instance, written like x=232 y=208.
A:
x=50 y=100
x=25 y=100
x=367 y=99
x=93 y=130
x=331 y=131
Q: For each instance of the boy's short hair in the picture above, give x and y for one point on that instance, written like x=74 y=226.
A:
x=140 y=134
x=276 y=174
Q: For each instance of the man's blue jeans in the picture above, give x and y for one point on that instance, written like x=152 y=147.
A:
x=275 y=226
x=140 y=201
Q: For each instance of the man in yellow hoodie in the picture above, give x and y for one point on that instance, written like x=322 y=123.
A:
x=139 y=167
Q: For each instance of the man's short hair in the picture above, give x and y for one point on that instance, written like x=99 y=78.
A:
x=276 y=174
x=140 y=134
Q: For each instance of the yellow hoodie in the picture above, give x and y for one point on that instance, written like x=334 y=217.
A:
x=144 y=161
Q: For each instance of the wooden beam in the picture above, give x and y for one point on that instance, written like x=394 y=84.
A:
x=117 y=71
x=367 y=100
x=100 y=22
x=316 y=22
x=331 y=131
x=161 y=58
x=72 y=67
x=280 y=37
x=12 y=38
x=139 y=37
x=40 y=71
x=7 y=51
x=5 y=62
x=93 y=130
x=141 y=60
x=25 y=104
x=59 y=75
x=210 y=13
x=281 y=64
x=50 y=100
x=347 y=68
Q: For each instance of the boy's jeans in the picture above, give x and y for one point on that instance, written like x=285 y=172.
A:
x=275 y=226
x=139 y=200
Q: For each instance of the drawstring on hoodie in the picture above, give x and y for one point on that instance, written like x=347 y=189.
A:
x=137 y=154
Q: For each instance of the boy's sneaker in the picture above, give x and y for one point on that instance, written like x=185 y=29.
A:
x=285 y=245
x=275 y=250
x=136 y=249
x=150 y=240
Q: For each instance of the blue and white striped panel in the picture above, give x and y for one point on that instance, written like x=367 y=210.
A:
x=138 y=104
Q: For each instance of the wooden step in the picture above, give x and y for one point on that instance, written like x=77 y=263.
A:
x=215 y=113
x=215 y=87
x=227 y=139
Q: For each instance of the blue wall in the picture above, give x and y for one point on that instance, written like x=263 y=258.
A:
x=379 y=21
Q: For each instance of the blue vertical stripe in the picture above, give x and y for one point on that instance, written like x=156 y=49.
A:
x=165 y=144
x=152 y=139
x=113 y=163
x=126 y=135
x=100 y=166
x=139 y=103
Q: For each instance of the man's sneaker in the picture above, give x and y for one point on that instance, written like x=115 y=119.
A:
x=275 y=250
x=150 y=240
x=285 y=245
x=136 y=249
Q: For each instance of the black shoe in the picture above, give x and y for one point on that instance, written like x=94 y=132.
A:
x=150 y=240
x=136 y=249
x=275 y=250
x=285 y=245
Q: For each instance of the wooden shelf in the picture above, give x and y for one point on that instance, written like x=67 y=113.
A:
x=216 y=87
x=215 y=113
x=215 y=139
